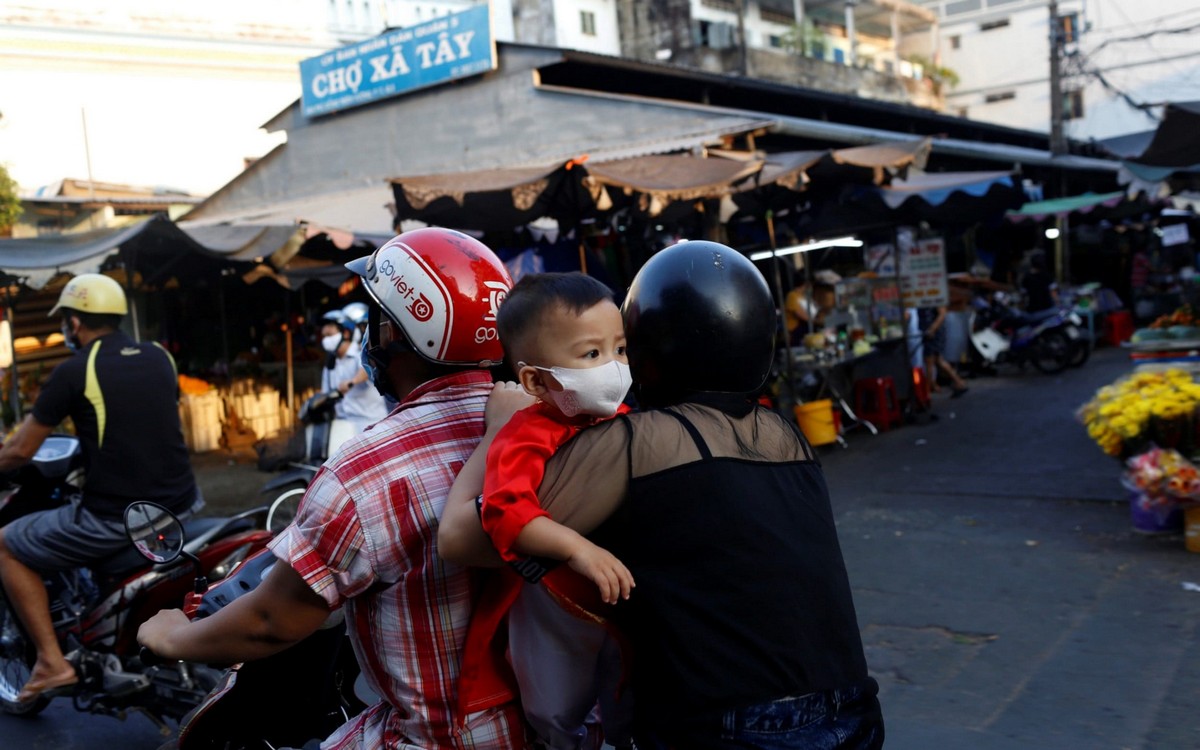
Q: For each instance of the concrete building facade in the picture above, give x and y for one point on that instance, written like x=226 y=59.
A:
x=1120 y=60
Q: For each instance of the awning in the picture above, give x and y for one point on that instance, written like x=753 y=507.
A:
x=787 y=169
x=664 y=179
x=1063 y=206
x=891 y=156
x=943 y=197
x=244 y=242
x=495 y=199
x=936 y=188
x=346 y=216
x=37 y=260
x=298 y=271
x=1175 y=146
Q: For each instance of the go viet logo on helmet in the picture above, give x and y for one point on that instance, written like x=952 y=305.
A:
x=420 y=293
x=420 y=308
x=497 y=291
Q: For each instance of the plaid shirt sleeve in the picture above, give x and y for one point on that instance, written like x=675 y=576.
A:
x=326 y=545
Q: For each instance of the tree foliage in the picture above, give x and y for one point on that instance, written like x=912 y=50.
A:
x=939 y=74
x=10 y=204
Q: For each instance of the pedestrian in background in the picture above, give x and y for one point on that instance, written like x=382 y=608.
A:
x=933 y=344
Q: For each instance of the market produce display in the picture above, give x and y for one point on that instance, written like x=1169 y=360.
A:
x=1180 y=325
x=1141 y=409
x=1150 y=421
x=1163 y=480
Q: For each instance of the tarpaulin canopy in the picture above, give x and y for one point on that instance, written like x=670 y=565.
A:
x=788 y=169
x=36 y=260
x=246 y=242
x=943 y=197
x=1062 y=206
x=1175 y=147
x=659 y=180
x=936 y=188
x=894 y=156
x=296 y=272
x=493 y=199
x=363 y=215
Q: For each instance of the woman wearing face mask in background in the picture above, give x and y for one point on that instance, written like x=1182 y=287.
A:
x=361 y=404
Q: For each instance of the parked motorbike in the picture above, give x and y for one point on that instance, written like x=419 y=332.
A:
x=291 y=699
x=1051 y=340
x=323 y=433
x=96 y=612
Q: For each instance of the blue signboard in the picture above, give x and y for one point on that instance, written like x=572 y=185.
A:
x=397 y=62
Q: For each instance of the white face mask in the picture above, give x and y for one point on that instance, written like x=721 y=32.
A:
x=598 y=391
x=331 y=342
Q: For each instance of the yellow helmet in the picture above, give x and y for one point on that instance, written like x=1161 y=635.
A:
x=92 y=293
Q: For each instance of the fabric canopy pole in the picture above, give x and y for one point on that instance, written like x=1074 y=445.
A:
x=787 y=345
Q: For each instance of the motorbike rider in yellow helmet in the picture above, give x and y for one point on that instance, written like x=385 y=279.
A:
x=122 y=396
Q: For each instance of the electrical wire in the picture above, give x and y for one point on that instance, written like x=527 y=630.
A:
x=1145 y=36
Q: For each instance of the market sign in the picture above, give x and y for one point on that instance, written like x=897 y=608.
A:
x=922 y=268
x=1175 y=234
x=923 y=274
x=397 y=62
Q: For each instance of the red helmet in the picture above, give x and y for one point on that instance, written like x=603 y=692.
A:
x=442 y=289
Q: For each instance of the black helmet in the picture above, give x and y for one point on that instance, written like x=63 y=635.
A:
x=699 y=317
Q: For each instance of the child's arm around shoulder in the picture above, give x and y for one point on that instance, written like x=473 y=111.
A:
x=516 y=464
x=545 y=537
x=460 y=536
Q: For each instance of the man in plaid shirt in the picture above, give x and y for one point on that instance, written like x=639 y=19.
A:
x=364 y=536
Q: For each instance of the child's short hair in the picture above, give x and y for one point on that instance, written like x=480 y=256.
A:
x=536 y=293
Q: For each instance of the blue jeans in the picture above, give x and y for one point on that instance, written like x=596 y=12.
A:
x=843 y=719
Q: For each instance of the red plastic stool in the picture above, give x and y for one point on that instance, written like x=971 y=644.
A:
x=875 y=400
x=921 y=388
x=1118 y=326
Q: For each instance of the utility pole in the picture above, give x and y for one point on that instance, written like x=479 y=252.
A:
x=743 y=55
x=1058 y=144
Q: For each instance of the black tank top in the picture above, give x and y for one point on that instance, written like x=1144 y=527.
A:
x=742 y=595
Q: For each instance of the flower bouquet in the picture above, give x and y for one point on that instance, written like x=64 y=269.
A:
x=1142 y=411
x=1163 y=481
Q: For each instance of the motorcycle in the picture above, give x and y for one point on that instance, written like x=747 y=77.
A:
x=1052 y=340
x=324 y=432
x=96 y=611
x=290 y=699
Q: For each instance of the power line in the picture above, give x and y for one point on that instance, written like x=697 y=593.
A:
x=1151 y=21
x=1146 y=35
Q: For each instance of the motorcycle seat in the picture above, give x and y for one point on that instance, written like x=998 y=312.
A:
x=1033 y=318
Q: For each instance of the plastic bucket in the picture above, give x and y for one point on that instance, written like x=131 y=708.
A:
x=1151 y=521
x=816 y=421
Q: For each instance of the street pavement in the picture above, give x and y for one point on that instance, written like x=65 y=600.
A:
x=1004 y=599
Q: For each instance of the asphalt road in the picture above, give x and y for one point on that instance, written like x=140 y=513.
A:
x=1004 y=599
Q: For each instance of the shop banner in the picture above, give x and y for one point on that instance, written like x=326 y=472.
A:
x=923 y=274
x=397 y=62
x=922 y=268
x=1175 y=234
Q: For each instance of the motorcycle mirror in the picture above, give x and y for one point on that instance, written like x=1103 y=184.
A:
x=155 y=531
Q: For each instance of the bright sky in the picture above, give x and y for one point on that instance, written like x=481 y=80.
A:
x=164 y=107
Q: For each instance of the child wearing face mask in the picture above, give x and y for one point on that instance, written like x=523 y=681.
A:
x=565 y=338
